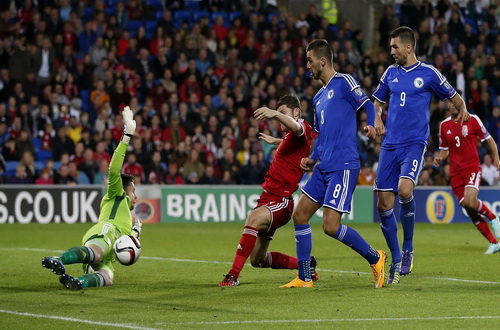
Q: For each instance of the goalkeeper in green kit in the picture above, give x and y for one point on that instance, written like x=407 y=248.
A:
x=115 y=220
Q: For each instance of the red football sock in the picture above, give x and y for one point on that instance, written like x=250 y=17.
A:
x=484 y=210
x=245 y=248
x=484 y=229
x=282 y=261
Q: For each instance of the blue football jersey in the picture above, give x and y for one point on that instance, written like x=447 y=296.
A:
x=409 y=92
x=335 y=105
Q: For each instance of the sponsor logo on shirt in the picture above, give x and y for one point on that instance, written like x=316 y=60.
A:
x=449 y=132
x=395 y=80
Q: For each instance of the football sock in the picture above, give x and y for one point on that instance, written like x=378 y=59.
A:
x=353 y=239
x=389 y=227
x=277 y=260
x=92 y=280
x=303 y=243
x=484 y=210
x=407 y=213
x=77 y=254
x=484 y=229
x=245 y=248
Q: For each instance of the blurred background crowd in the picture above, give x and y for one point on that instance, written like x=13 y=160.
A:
x=193 y=72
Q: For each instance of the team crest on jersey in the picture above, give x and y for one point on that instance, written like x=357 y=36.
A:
x=418 y=82
x=465 y=130
x=330 y=93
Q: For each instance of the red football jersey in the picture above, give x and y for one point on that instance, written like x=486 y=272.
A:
x=461 y=141
x=284 y=174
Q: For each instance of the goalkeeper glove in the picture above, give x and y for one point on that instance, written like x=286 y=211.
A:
x=137 y=228
x=129 y=124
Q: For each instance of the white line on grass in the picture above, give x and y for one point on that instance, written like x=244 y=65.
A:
x=437 y=318
x=229 y=263
x=70 y=319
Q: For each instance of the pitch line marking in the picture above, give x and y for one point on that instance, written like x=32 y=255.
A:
x=437 y=318
x=70 y=319
x=229 y=263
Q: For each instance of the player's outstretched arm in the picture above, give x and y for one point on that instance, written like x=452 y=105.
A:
x=115 y=186
x=440 y=156
x=269 y=139
x=290 y=123
x=458 y=102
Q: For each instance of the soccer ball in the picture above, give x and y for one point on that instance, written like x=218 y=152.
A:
x=127 y=249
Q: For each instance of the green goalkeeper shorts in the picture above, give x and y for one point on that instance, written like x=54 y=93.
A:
x=104 y=235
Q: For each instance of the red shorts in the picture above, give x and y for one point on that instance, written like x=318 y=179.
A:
x=281 y=209
x=470 y=177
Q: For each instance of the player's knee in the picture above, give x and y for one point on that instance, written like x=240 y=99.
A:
x=299 y=218
x=330 y=228
x=257 y=262
x=98 y=252
x=405 y=193
x=383 y=205
x=469 y=205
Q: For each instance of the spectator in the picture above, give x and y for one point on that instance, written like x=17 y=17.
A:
x=79 y=176
x=132 y=167
x=45 y=178
x=101 y=176
x=173 y=176
x=63 y=176
x=20 y=177
x=489 y=171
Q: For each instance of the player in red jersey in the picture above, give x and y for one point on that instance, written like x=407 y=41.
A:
x=459 y=142
x=275 y=205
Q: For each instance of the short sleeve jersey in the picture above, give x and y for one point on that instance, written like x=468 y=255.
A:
x=460 y=141
x=335 y=105
x=409 y=93
x=284 y=174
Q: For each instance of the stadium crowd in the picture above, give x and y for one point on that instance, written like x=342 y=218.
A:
x=193 y=72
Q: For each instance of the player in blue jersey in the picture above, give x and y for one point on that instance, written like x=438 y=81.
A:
x=408 y=86
x=336 y=173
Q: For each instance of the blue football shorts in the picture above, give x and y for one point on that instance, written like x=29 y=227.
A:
x=332 y=189
x=393 y=164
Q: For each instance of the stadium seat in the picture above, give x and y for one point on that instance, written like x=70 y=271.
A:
x=154 y=4
x=39 y=166
x=224 y=15
x=85 y=96
x=43 y=155
x=112 y=3
x=150 y=26
x=37 y=144
x=133 y=26
x=88 y=13
x=233 y=15
x=472 y=23
x=192 y=5
x=57 y=165
x=180 y=16
x=271 y=15
x=11 y=165
x=197 y=15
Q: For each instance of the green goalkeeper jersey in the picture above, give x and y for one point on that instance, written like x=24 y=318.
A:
x=115 y=205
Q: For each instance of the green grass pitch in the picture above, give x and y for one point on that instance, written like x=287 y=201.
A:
x=174 y=284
